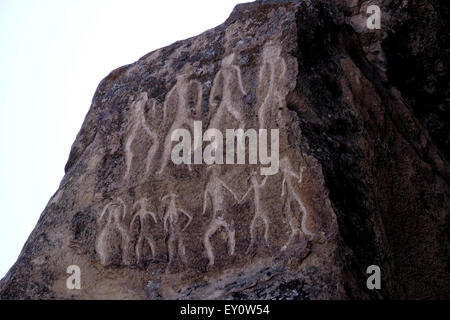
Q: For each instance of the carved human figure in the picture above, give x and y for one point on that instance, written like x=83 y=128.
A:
x=142 y=215
x=182 y=106
x=215 y=191
x=138 y=121
x=227 y=93
x=173 y=228
x=260 y=212
x=114 y=235
x=272 y=76
x=290 y=179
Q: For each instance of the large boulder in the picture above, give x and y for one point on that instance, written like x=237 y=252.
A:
x=360 y=176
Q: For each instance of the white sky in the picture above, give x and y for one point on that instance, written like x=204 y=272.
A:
x=53 y=54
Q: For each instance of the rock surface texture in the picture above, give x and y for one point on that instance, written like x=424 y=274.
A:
x=363 y=173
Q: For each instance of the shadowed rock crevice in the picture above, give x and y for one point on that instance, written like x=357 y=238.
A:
x=372 y=216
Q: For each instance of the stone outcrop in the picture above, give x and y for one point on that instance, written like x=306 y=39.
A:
x=362 y=179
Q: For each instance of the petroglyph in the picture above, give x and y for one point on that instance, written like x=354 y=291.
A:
x=288 y=188
x=214 y=191
x=271 y=79
x=114 y=234
x=173 y=228
x=182 y=110
x=227 y=93
x=260 y=212
x=138 y=121
x=142 y=215
x=185 y=99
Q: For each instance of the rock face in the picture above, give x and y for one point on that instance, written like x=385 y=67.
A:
x=362 y=177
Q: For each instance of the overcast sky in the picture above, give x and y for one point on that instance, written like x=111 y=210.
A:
x=53 y=54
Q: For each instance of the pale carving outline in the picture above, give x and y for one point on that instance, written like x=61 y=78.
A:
x=115 y=220
x=292 y=195
x=228 y=74
x=259 y=211
x=144 y=236
x=182 y=114
x=137 y=121
x=170 y=221
x=213 y=190
x=271 y=57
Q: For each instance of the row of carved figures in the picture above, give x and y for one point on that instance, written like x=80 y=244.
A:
x=176 y=220
x=183 y=103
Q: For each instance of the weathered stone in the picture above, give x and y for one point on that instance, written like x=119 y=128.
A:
x=363 y=174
